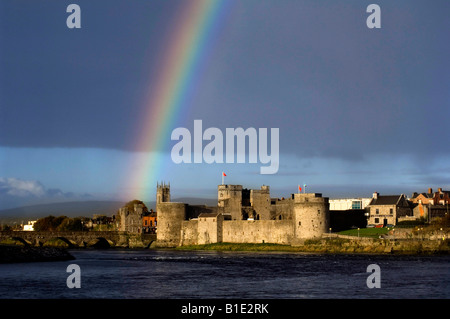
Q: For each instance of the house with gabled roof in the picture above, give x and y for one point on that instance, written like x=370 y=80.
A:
x=440 y=197
x=431 y=204
x=387 y=209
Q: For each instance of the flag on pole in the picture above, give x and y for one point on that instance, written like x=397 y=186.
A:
x=223 y=174
x=299 y=188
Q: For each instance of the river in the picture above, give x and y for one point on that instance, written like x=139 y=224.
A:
x=166 y=274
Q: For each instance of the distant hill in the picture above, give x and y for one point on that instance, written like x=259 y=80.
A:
x=81 y=208
x=69 y=209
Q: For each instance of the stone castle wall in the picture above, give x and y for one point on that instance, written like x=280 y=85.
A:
x=282 y=209
x=264 y=221
x=258 y=231
x=210 y=230
x=189 y=232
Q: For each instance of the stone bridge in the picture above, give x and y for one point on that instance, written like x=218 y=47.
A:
x=73 y=239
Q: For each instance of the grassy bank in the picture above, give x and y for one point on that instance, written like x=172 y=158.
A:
x=336 y=246
x=366 y=232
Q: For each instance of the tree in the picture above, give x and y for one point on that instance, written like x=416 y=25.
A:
x=5 y=228
x=49 y=223
x=130 y=205
x=70 y=224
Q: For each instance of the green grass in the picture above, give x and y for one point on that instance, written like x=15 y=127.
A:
x=56 y=242
x=366 y=232
x=11 y=241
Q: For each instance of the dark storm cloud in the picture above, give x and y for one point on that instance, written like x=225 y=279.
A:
x=334 y=87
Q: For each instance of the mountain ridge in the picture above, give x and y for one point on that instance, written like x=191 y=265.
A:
x=81 y=208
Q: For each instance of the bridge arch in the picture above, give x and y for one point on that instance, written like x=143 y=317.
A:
x=52 y=240
x=100 y=243
x=21 y=240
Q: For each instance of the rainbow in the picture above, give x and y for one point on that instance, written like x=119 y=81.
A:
x=187 y=47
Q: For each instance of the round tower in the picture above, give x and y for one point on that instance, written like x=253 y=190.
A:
x=170 y=219
x=311 y=215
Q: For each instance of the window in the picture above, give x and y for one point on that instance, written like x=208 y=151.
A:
x=377 y=211
x=377 y=220
x=391 y=211
x=356 y=204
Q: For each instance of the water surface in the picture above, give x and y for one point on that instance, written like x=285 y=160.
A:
x=204 y=274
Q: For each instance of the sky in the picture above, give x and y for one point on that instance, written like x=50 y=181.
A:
x=358 y=109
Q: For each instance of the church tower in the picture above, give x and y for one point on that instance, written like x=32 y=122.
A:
x=162 y=193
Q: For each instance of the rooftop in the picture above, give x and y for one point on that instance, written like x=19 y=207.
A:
x=385 y=200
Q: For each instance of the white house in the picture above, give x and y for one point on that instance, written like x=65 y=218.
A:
x=29 y=226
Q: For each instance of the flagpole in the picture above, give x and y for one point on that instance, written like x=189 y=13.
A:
x=222 y=179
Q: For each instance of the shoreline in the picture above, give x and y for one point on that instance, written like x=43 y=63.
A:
x=25 y=254
x=334 y=246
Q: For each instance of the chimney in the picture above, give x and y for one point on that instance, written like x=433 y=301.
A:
x=375 y=195
x=430 y=190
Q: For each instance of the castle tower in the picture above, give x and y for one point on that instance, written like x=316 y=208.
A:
x=162 y=193
x=230 y=198
x=170 y=217
x=311 y=215
x=260 y=201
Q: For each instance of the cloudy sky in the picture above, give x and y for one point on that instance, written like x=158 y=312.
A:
x=358 y=109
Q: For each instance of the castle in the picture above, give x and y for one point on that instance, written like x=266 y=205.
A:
x=131 y=218
x=241 y=216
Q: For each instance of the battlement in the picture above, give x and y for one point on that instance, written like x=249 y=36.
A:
x=230 y=187
x=243 y=215
x=309 y=198
x=264 y=190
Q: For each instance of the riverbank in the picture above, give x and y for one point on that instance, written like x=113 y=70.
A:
x=338 y=246
x=24 y=253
